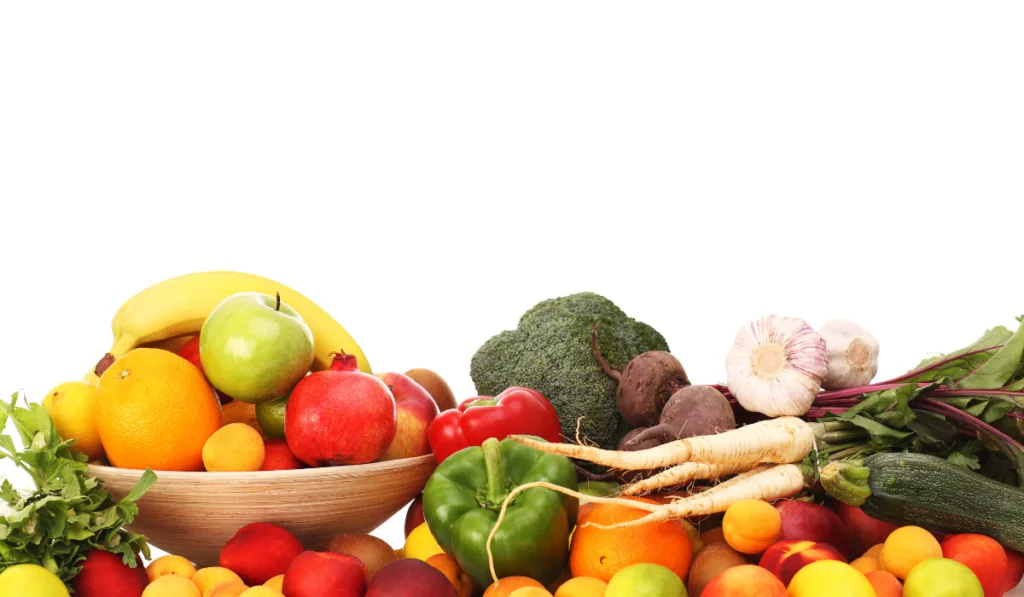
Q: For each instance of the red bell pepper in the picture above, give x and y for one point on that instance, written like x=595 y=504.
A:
x=516 y=411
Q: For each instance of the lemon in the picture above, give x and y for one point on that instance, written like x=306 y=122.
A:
x=29 y=580
x=72 y=407
x=420 y=544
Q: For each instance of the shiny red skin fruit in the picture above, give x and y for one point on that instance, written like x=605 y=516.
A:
x=322 y=574
x=864 y=531
x=340 y=416
x=813 y=522
x=105 y=575
x=260 y=551
x=785 y=558
x=414 y=515
x=278 y=457
x=983 y=555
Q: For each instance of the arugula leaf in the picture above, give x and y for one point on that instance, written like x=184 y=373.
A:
x=68 y=514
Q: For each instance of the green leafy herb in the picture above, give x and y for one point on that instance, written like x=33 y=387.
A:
x=68 y=513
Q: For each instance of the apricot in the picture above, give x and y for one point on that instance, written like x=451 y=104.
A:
x=231 y=588
x=261 y=591
x=276 y=583
x=885 y=584
x=213 y=576
x=172 y=585
x=907 y=547
x=505 y=586
x=875 y=551
x=530 y=592
x=235 y=447
x=582 y=586
x=165 y=565
x=751 y=526
x=866 y=564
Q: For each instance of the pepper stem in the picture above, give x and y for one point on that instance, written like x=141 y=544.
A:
x=495 y=471
x=847 y=482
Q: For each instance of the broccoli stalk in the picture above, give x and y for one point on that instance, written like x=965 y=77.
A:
x=551 y=352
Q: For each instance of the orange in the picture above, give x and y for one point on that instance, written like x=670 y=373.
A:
x=600 y=553
x=155 y=410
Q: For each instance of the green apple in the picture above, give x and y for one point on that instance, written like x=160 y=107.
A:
x=254 y=347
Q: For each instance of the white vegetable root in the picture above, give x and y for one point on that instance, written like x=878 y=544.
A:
x=677 y=475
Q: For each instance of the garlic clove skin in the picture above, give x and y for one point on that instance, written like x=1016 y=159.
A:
x=776 y=366
x=852 y=355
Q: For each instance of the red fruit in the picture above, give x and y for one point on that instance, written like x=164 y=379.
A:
x=340 y=416
x=414 y=515
x=983 y=555
x=808 y=521
x=410 y=578
x=744 y=581
x=325 y=574
x=190 y=352
x=865 y=531
x=277 y=456
x=106 y=575
x=1014 y=568
x=785 y=558
x=260 y=551
x=416 y=410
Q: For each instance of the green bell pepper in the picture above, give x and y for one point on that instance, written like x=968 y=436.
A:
x=463 y=497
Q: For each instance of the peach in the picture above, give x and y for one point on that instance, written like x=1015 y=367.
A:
x=407 y=578
x=172 y=585
x=885 y=584
x=169 y=564
x=807 y=521
x=260 y=551
x=864 y=530
x=745 y=581
x=709 y=563
x=415 y=411
x=450 y=568
x=751 y=526
x=907 y=547
x=212 y=576
x=785 y=558
x=230 y=588
x=505 y=586
x=105 y=574
x=983 y=555
x=313 y=574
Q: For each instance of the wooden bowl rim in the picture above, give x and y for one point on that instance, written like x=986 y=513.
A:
x=324 y=471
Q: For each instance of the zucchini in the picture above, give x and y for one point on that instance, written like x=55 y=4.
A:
x=929 y=492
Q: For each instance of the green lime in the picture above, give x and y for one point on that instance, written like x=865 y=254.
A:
x=270 y=414
x=645 y=580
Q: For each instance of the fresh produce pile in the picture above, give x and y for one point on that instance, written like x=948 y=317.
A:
x=591 y=463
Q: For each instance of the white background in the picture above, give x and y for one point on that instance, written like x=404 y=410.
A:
x=428 y=171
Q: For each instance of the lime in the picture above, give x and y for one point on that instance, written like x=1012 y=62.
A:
x=270 y=415
x=645 y=580
x=29 y=580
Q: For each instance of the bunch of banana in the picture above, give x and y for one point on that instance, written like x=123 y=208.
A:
x=169 y=312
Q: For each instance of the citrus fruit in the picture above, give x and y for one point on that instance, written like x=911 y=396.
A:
x=420 y=544
x=72 y=408
x=270 y=415
x=907 y=547
x=645 y=580
x=600 y=553
x=942 y=577
x=830 y=578
x=155 y=410
x=29 y=580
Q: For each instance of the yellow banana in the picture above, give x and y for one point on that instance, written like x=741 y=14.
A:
x=179 y=306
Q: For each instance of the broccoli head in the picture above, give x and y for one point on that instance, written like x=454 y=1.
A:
x=551 y=352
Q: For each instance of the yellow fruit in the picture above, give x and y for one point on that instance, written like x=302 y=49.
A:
x=420 y=544
x=874 y=552
x=830 y=578
x=29 y=580
x=156 y=410
x=907 y=547
x=72 y=407
x=751 y=526
x=866 y=565
x=276 y=583
x=261 y=591
x=166 y=565
x=179 y=306
x=582 y=586
x=172 y=585
x=213 y=576
x=240 y=412
x=234 y=448
x=530 y=592
x=231 y=588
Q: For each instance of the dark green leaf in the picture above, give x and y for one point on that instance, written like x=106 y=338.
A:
x=995 y=372
x=964 y=460
x=995 y=410
x=932 y=428
x=958 y=368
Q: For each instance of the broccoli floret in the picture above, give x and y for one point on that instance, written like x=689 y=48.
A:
x=551 y=352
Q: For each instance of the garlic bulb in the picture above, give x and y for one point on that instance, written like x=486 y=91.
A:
x=852 y=355
x=776 y=366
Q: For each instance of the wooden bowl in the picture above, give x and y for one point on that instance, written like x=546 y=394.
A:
x=194 y=514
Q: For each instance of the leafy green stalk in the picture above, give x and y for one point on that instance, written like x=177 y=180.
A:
x=68 y=513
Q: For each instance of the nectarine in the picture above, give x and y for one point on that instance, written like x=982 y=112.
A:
x=785 y=558
x=259 y=552
x=745 y=581
x=407 y=578
x=315 y=574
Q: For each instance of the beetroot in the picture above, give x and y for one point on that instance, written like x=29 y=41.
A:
x=645 y=384
x=691 y=411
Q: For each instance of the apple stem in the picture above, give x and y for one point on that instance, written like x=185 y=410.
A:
x=495 y=471
x=278 y=306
